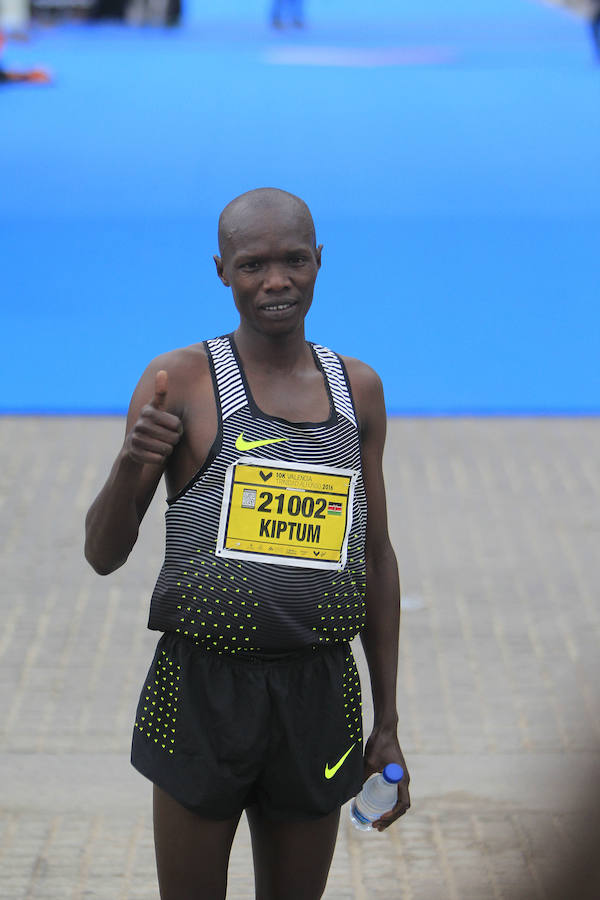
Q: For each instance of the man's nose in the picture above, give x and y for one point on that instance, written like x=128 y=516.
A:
x=276 y=278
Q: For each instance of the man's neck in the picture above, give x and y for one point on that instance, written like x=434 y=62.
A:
x=282 y=353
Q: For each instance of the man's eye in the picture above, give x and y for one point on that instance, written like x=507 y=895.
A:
x=251 y=265
x=297 y=260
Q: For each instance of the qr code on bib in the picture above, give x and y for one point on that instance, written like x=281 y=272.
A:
x=248 y=499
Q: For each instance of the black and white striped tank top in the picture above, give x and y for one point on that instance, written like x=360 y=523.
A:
x=265 y=547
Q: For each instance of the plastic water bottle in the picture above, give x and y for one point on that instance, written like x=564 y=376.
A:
x=378 y=796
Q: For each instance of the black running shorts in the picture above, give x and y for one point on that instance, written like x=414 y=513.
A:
x=220 y=733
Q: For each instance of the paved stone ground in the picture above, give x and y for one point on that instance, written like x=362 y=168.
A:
x=497 y=526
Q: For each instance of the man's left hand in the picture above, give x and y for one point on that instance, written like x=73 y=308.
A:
x=383 y=748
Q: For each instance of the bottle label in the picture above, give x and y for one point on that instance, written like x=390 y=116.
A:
x=359 y=816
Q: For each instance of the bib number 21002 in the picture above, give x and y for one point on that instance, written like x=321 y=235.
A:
x=294 y=504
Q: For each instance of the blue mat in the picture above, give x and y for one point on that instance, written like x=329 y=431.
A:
x=451 y=163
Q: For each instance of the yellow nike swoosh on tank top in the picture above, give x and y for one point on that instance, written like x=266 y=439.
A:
x=330 y=771
x=242 y=444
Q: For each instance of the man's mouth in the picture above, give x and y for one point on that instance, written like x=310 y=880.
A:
x=278 y=307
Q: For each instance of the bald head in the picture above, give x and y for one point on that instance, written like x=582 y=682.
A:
x=246 y=212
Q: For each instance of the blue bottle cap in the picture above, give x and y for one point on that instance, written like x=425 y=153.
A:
x=393 y=773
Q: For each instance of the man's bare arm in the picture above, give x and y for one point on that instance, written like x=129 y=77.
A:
x=380 y=634
x=112 y=523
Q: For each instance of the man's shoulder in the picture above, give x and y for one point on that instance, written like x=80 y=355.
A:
x=181 y=359
x=358 y=371
x=361 y=374
x=188 y=372
x=367 y=391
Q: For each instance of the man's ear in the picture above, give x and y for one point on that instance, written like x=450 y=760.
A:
x=318 y=252
x=220 y=272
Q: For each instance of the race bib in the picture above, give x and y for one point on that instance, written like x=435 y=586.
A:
x=287 y=514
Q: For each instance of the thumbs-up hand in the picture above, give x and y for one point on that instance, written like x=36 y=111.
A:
x=156 y=432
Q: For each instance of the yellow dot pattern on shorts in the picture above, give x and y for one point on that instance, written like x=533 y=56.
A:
x=157 y=716
x=352 y=699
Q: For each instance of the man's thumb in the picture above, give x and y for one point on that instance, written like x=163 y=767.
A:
x=160 y=389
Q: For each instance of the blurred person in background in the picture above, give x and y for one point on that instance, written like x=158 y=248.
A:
x=8 y=76
x=574 y=873
x=290 y=10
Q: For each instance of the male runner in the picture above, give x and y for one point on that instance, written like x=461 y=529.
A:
x=272 y=451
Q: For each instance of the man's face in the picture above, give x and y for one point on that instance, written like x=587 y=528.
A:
x=271 y=264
